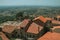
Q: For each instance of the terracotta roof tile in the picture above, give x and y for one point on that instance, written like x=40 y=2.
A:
x=41 y=18
x=3 y=36
x=48 y=18
x=33 y=28
x=8 y=28
x=55 y=22
x=23 y=23
x=56 y=29
x=50 y=36
x=58 y=16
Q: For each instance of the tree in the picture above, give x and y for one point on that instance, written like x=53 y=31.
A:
x=19 y=16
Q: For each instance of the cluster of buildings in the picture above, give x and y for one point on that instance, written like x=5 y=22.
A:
x=40 y=28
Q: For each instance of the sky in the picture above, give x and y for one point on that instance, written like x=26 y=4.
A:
x=29 y=2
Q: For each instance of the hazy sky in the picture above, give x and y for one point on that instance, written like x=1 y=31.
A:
x=29 y=2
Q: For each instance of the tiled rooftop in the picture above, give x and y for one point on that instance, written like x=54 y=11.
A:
x=34 y=28
x=23 y=23
x=8 y=28
x=3 y=36
x=41 y=18
x=50 y=36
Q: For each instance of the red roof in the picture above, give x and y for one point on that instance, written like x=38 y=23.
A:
x=50 y=36
x=58 y=16
x=8 y=28
x=48 y=18
x=23 y=23
x=3 y=36
x=55 y=22
x=56 y=29
x=33 y=28
x=41 y=18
